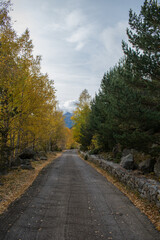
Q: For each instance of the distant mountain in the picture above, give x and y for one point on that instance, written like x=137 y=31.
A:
x=67 y=119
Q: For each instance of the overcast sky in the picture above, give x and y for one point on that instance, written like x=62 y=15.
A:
x=79 y=40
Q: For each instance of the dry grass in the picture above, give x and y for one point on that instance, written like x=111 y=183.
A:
x=149 y=209
x=17 y=181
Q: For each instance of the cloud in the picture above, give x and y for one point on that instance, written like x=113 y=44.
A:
x=75 y=19
x=80 y=37
x=54 y=27
x=64 y=21
x=68 y=106
x=73 y=27
x=77 y=44
x=79 y=29
x=111 y=38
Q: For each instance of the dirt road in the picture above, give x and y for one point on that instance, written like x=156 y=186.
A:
x=71 y=201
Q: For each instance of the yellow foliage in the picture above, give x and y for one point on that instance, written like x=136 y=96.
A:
x=80 y=114
x=70 y=142
x=94 y=142
x=28 y=113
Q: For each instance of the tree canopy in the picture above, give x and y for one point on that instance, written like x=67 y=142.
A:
x=80 y=115
x=126 y=109
x=29 y=116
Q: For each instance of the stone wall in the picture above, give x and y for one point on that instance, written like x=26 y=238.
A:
x=147 y=188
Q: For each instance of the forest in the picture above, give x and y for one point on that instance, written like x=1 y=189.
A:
x=125 y=113
x=29 y=113
x=56 y=194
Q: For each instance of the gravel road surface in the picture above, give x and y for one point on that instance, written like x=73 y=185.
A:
x=69 y=200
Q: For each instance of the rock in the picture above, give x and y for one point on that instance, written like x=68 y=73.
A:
x=126 y=152
x=26 y=161
x=28 y=153
x=154 y=145
x=52 y=152
x=26 y=164
x=42 y=155
x=43 y=158
x=147 y=166
x=158 y=198
x=147 y=188
x=27 y=167
x=35 y=159
x=16 y=162
x=157 y=168
x=127 y=162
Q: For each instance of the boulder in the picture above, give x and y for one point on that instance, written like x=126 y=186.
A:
x=147 y=166
x=26 y=164
x=16 y=162
x=126 y=152
x=127 y=162
x=28 y=153
x=41 y=153
x=27 y=167
x=43 y=157
x=157 y=168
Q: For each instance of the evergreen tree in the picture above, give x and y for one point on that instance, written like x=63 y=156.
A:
x=126 y=109
x=144 y=36
x=142 y=68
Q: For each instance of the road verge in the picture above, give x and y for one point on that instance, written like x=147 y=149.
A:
x=148 y=208
x=17 y=181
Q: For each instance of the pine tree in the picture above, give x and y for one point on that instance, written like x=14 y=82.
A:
x=144 y=36
x=142 y=68
x=126 y=109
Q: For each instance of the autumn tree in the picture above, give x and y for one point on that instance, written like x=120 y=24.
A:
x=8 y=52
x=70 y=142
x=28 y=105
x=80 y=115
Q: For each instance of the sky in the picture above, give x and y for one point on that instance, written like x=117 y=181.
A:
x=79 y=40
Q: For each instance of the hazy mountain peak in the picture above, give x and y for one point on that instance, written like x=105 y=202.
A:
x=67 y=119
